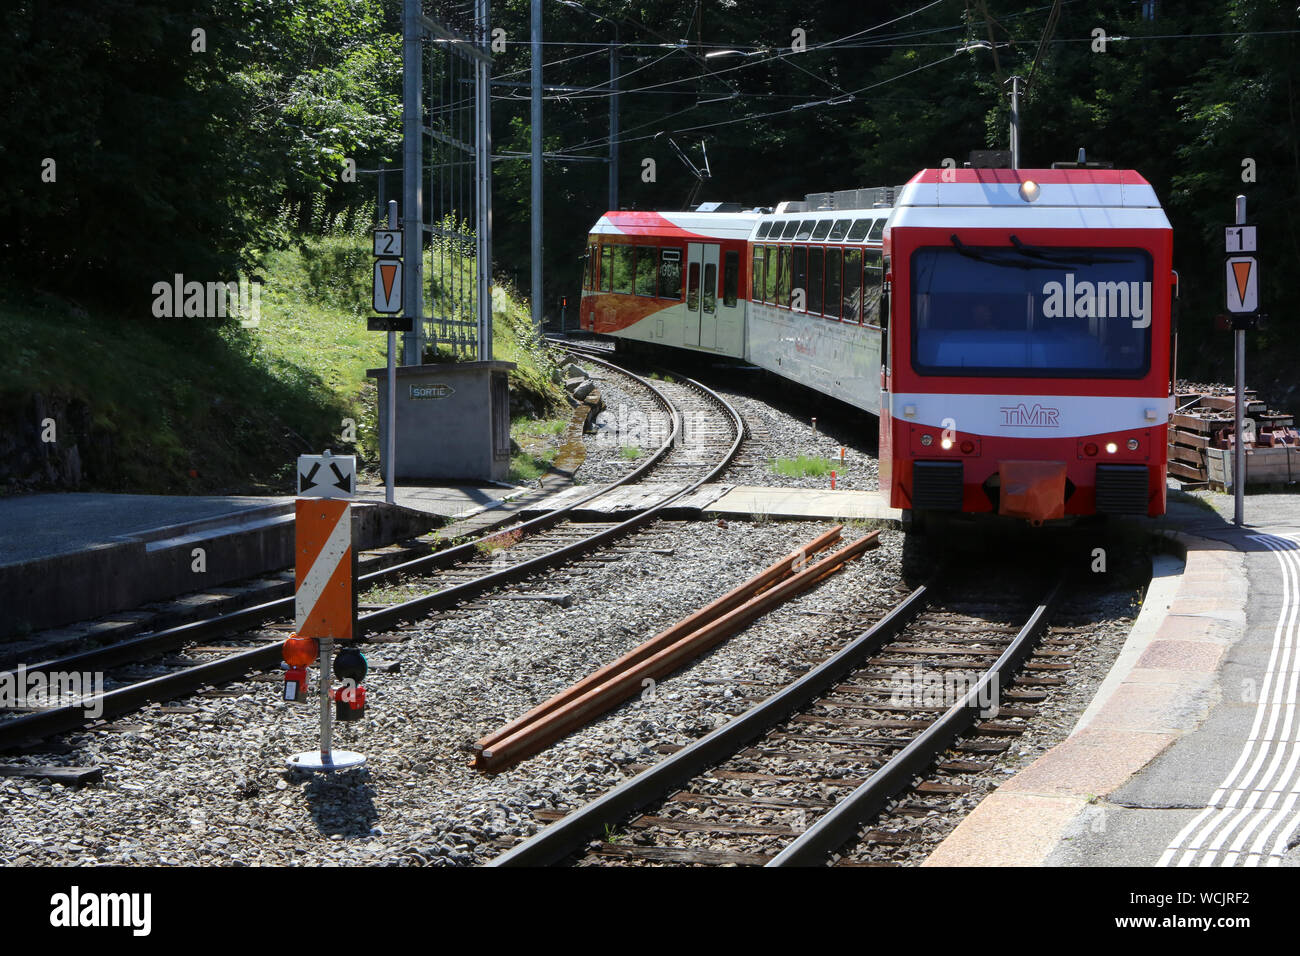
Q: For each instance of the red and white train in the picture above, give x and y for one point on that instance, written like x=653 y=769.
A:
x=1010 y=327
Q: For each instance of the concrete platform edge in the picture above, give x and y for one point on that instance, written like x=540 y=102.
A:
x=159 y=563
x=1146 y=702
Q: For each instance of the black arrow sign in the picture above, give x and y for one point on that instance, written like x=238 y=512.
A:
x=307 y=481
x=342 y=484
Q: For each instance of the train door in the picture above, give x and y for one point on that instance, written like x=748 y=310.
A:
x=731 y=307
x=701 y=327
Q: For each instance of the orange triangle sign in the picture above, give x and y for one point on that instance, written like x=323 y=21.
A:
x=388 y=270
x=1242 y=272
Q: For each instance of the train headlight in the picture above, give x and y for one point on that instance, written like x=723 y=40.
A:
x=1111 y=448
x=1132 y=444
x=946 y=443
x=1090 y=449
x=927 y=440
x=1029 y=190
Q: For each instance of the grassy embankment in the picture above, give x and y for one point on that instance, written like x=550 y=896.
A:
x=187 y=406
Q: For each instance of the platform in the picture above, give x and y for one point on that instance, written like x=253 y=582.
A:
x=452 y=502
x=72 y=557
x=1188 y=754
x=37 y=526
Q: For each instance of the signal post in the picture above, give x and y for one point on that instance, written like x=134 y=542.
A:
x=1242 y=286
x=325 y=604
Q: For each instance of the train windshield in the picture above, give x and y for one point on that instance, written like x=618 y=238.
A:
x=1023 y=310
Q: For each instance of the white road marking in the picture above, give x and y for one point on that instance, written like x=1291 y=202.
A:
x=1260 y=793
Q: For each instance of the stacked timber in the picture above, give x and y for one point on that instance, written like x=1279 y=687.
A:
x=1203 y=434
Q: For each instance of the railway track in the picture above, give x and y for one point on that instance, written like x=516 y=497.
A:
x=178 y=660
x=795 y=777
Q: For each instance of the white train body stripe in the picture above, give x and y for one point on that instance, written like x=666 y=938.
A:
x=1031 y=416
x=1068 y=195
x=1011 y=217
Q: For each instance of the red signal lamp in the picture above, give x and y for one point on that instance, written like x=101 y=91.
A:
x=301 y=651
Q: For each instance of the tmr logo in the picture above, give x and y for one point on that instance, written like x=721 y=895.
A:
x=1040 y=416
x=75 y=909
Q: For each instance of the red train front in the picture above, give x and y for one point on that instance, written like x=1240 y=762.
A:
x=1029 y=357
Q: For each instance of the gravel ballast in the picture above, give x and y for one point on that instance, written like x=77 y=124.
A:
x=775 y=433
x=205 y=782
x=631 y=420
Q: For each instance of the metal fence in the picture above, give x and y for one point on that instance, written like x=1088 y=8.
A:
x=447 y=140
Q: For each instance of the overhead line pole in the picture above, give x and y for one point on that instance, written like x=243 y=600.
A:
x=483 y=175
x=537 y=167
x=412 y=200
x=613 y=121
x=1015 y=121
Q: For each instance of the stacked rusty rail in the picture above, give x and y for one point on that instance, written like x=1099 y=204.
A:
x=1202 y=434
x=666 y=652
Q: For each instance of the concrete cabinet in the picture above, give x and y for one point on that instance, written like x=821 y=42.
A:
x=453 y=421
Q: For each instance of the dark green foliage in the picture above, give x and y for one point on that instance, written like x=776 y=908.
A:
x=172 y=159
x=175 y=161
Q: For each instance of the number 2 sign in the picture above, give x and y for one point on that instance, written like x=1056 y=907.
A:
x=388 y=243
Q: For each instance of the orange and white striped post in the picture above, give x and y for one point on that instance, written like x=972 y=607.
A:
x=324 y=601
x=323 y=568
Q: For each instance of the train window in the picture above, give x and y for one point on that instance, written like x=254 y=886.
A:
x=872 y=278
x=877 y=230
x=711 y=288
x=670 y=273
x=981 y=311
x=693 y=287
x=783 y=283
x=832 y=304
x=772 y=277
x=586 y=270
x=805 y=229
x=623 y=262
x=647 y=264
x=852 y=285
x=731 y=279
x=607 y=268
x=799 y=280
x=593 y=267
x=859 y=230
x=823 y=227
x=791 y=228
x=763 y=228
x=815 y=280
x=840 y=229
x=756 y=276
